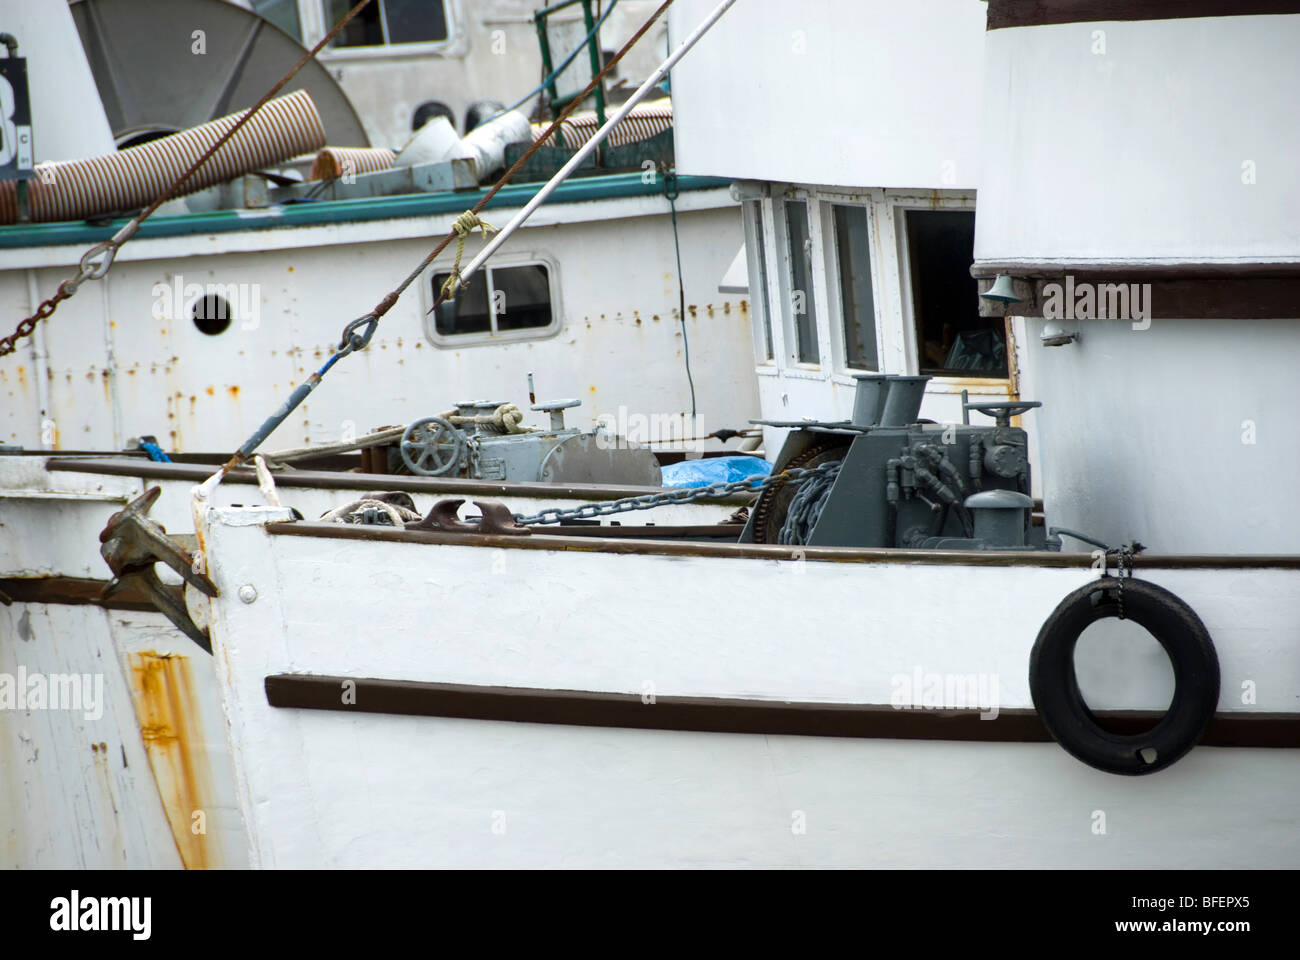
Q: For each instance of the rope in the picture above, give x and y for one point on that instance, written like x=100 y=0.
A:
x=393 y=295
x=96 y=261
x=510 y=417
x=355 y=512
x=465 y=224
x=155 y=452
x=357 y=334
x=564 y=64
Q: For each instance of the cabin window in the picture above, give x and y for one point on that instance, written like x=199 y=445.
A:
x=282 y=13
x=509 y=301
x=802 y=309
x=757 y=256
x=386 y=22
x=852 y=245
x=952 y=339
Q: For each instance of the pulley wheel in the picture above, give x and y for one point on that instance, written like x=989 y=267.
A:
x=432 y=447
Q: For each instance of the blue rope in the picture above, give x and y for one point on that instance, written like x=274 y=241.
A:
x=563 y=65
x=330 y=362
x=155 y=452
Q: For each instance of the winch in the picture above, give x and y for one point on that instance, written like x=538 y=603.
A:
x=486 y=440
x=903 y=483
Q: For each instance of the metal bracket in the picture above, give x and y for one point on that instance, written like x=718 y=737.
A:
x=496 y=519
x=132 y=543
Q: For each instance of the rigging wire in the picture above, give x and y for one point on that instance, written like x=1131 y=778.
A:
x=564 y=65
x=670 y=191
x=357 y=334
x=97 y=261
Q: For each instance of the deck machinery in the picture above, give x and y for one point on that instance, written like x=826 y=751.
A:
x=483 y=440
x=900 y=482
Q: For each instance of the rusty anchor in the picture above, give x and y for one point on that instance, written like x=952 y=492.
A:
x=496 y=518
x=132 y=543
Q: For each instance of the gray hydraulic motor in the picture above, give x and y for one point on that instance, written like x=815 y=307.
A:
x=900 y=482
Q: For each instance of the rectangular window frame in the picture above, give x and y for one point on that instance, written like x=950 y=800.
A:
x=835 y=308
x=789 y=328
x=484 y=275
x=452 y=46
x=756 y=250
x=896 y=205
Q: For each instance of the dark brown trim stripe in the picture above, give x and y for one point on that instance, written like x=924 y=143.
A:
x=1038 y=13
x=331 y=480
x=73 y=590
x=1131 y=271
x=553 y=540
x=1186 y=292
x=727 y=715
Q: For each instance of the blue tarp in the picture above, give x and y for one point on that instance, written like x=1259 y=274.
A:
x=707 y=470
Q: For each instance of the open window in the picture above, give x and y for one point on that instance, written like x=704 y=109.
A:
x=514 y=302
x=952 y=339
x=389 y=22
x=756 y=253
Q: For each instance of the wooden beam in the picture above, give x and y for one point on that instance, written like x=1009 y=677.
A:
x=728 y=715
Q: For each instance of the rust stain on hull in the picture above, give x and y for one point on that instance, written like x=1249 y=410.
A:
x=167 y=711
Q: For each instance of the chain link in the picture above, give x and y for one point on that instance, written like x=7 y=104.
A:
x=96 y=261
x=591 y=511
x=1125 y=553
x=806 y=507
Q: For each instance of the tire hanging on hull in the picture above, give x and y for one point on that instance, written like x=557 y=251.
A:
x=1055 y=688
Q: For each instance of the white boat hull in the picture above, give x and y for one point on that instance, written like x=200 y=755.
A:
x=161 y=791
x=348 y=787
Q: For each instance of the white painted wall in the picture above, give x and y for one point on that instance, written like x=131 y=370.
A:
x=1138 y=152
x=871 y=93
x=1180 y=436
x=115 y=371
x=1133 y=142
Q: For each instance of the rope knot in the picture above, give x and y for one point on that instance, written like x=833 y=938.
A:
x=464 y=225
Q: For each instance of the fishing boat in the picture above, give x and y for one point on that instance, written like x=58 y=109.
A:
x=174 y=761
x=942 y=637
x=830 y=696
x=228 y=299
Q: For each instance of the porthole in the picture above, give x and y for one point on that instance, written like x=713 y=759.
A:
x=211 y=314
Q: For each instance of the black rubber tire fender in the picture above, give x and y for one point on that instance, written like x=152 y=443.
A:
x=1055 y=688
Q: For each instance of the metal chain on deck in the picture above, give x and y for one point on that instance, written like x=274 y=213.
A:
x=590 y=511
x=96 y=261
x=806 y=507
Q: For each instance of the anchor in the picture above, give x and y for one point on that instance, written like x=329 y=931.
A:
x=132 y=543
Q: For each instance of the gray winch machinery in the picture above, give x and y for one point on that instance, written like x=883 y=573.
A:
x=484 y=440
x=901 y=483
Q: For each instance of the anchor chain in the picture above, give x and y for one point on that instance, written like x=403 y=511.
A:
x=591 y=511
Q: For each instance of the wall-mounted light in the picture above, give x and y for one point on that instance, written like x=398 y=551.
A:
x=1002 y=290
x=1054 y=335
